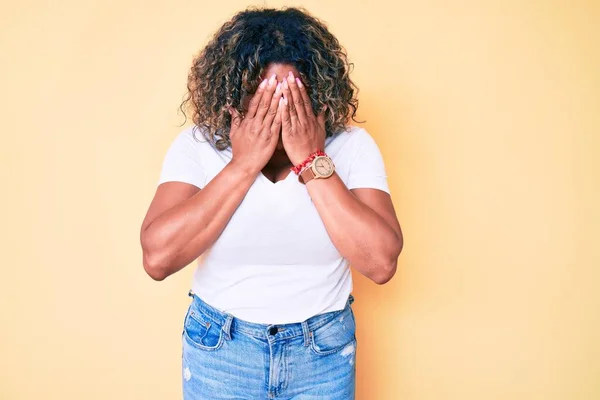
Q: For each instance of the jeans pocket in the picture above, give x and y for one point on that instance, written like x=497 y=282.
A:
x=335 y=334
x=201 y=331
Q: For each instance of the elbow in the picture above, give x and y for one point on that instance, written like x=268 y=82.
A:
x=387 y=268
x=156 y=275
x=385 y=273
x=154 y=267
x=155 y=259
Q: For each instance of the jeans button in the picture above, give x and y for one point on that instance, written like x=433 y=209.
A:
x=273 y=330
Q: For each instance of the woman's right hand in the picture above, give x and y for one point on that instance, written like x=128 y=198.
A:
x=254 y=137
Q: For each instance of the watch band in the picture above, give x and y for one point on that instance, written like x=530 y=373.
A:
x=306 y=175
x=310 y=172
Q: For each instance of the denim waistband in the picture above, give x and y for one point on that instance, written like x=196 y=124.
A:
x=265 y=331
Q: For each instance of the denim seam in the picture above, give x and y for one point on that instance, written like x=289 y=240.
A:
x=328 y=352
x=197 y=345
x=217 y=319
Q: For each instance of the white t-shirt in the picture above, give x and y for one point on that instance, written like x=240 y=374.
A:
x=274 y=263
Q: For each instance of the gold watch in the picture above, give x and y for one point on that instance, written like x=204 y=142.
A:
x=321 y=168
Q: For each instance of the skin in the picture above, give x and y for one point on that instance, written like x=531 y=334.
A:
x=278 y=130
x=279 y=165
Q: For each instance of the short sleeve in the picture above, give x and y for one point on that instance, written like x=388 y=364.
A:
x=367 y=169
x=182 y=163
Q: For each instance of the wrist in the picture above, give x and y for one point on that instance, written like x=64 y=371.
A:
x=306 y=162
x=246 y=169
x=317 y=166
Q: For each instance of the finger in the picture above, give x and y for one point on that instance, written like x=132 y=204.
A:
x=297 y=99
x=321 y=117
x=276 y=125
x=305 y=97
x=286 y=120
x=265 y=101
x=252 y=107
x=273 y=106
x=236 y=120
x=289 y=104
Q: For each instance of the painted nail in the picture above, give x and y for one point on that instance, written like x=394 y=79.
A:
x=291 y=77
x=285 y=84
x=285 y=101
x=272 y=80
x=263 y=84
x=278 y=88
x=299 y=82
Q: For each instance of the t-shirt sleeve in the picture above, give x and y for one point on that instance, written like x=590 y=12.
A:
x=182 y=162
x=367 y=169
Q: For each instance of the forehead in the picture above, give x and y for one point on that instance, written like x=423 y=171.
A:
x=280 y=70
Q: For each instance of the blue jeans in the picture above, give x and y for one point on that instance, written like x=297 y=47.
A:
x=228 y=358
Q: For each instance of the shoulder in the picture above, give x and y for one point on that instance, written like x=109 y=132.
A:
x=352 y=134
x=350 y=141
x=358 y=160
x=193 y=142
x=185 y=160
x=360 y=135
x=192 y=136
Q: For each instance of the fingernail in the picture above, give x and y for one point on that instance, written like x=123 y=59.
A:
x=291 y=77
x=278 y=88
x=298 y=82
x=280 y=101
x=285 y=100
x=272 y=80
x=263 y=84
x=285 y=84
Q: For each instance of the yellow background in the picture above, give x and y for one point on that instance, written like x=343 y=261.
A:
x=488 y=116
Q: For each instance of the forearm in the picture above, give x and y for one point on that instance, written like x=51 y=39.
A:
x=182 y=233
x=362 y=236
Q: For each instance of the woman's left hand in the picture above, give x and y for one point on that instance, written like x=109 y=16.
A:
x=303 y=133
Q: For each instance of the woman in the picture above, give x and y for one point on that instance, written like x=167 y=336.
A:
x=278 y=195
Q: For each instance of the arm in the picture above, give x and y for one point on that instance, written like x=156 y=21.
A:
x=362 y=225
x=183 y=221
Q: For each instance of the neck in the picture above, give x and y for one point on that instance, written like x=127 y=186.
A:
x=279 y=162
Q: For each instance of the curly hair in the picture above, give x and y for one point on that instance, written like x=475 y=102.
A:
x=231 y=65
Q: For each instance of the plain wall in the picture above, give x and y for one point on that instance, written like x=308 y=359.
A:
x=488 y=117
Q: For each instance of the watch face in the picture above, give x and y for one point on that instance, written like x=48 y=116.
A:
x=323 y=166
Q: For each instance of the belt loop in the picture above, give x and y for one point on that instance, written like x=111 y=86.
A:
x=227 y=326
x=306 y=333
x=350 y=299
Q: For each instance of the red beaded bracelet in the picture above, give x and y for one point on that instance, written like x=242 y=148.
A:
x=300 y=167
